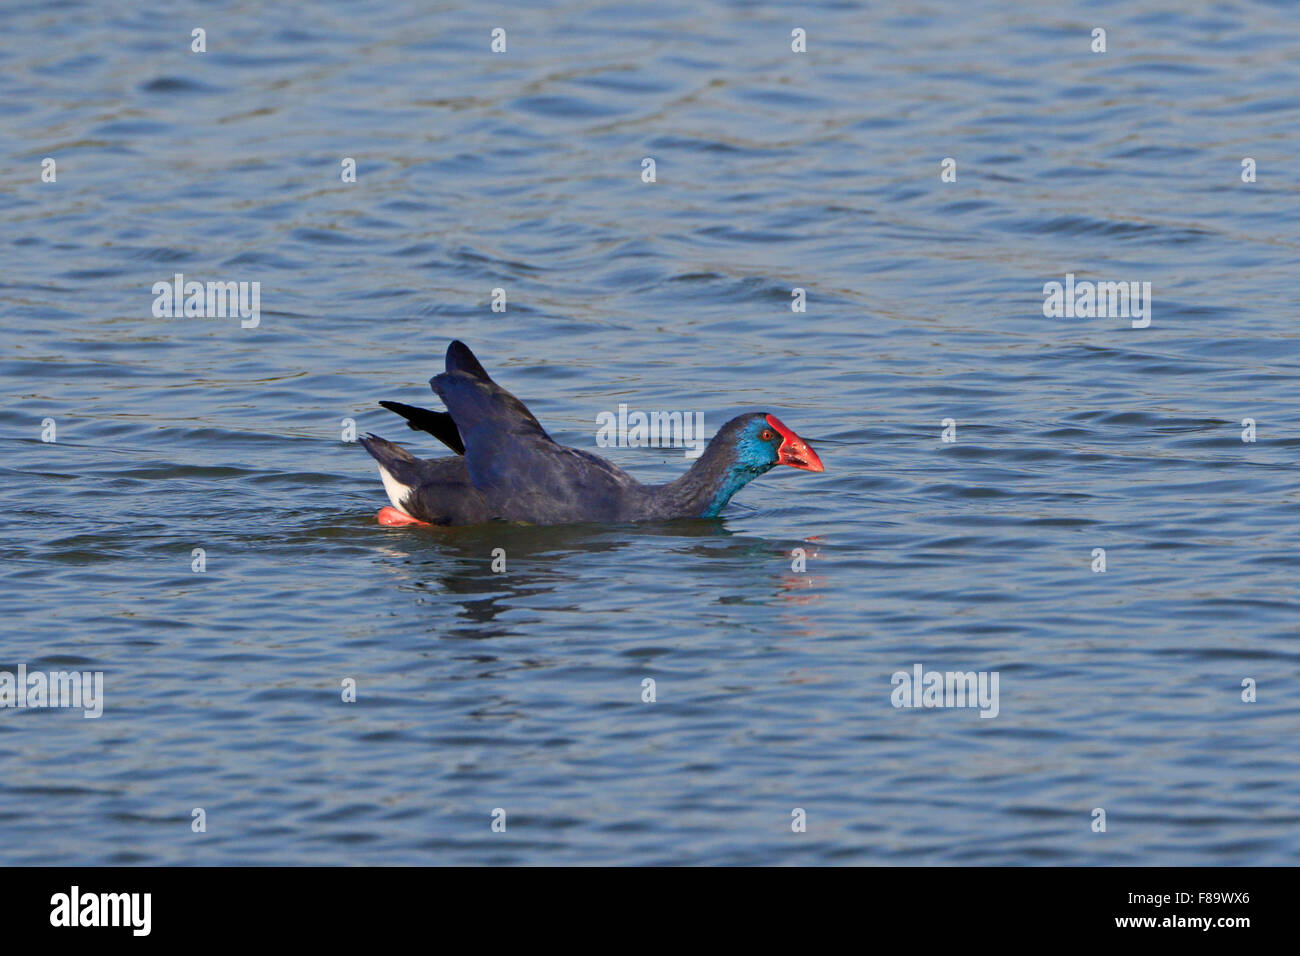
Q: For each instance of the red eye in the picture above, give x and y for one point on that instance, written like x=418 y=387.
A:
x=767 y=434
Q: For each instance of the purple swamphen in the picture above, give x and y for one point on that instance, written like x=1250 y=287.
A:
x=506 y=468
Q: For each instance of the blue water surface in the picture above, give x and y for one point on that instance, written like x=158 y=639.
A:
x=522 y=690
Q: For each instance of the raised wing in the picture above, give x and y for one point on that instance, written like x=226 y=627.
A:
x=523 y=473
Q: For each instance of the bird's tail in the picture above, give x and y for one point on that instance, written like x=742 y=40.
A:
x=398 y=469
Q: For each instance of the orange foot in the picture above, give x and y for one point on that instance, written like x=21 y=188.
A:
x=392 y=518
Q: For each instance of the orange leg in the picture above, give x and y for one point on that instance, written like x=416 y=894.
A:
x=392 y=518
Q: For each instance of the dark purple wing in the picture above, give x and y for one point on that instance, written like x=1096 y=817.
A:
x=522 y=472
x=461 y=359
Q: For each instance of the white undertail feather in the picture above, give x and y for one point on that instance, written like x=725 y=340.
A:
x=396 y=491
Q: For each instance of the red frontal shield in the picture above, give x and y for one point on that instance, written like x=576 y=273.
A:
x=794 y=451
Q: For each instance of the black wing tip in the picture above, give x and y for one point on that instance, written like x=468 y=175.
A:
x=406 y=411
x=438 y=424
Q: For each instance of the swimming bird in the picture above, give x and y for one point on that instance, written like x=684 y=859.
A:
x=506 y=468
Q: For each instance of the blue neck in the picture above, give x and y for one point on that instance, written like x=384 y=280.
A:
x=728 y=464
x=732 y=481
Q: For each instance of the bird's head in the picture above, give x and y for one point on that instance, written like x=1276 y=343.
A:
x=762 y=442
x=745 y=448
